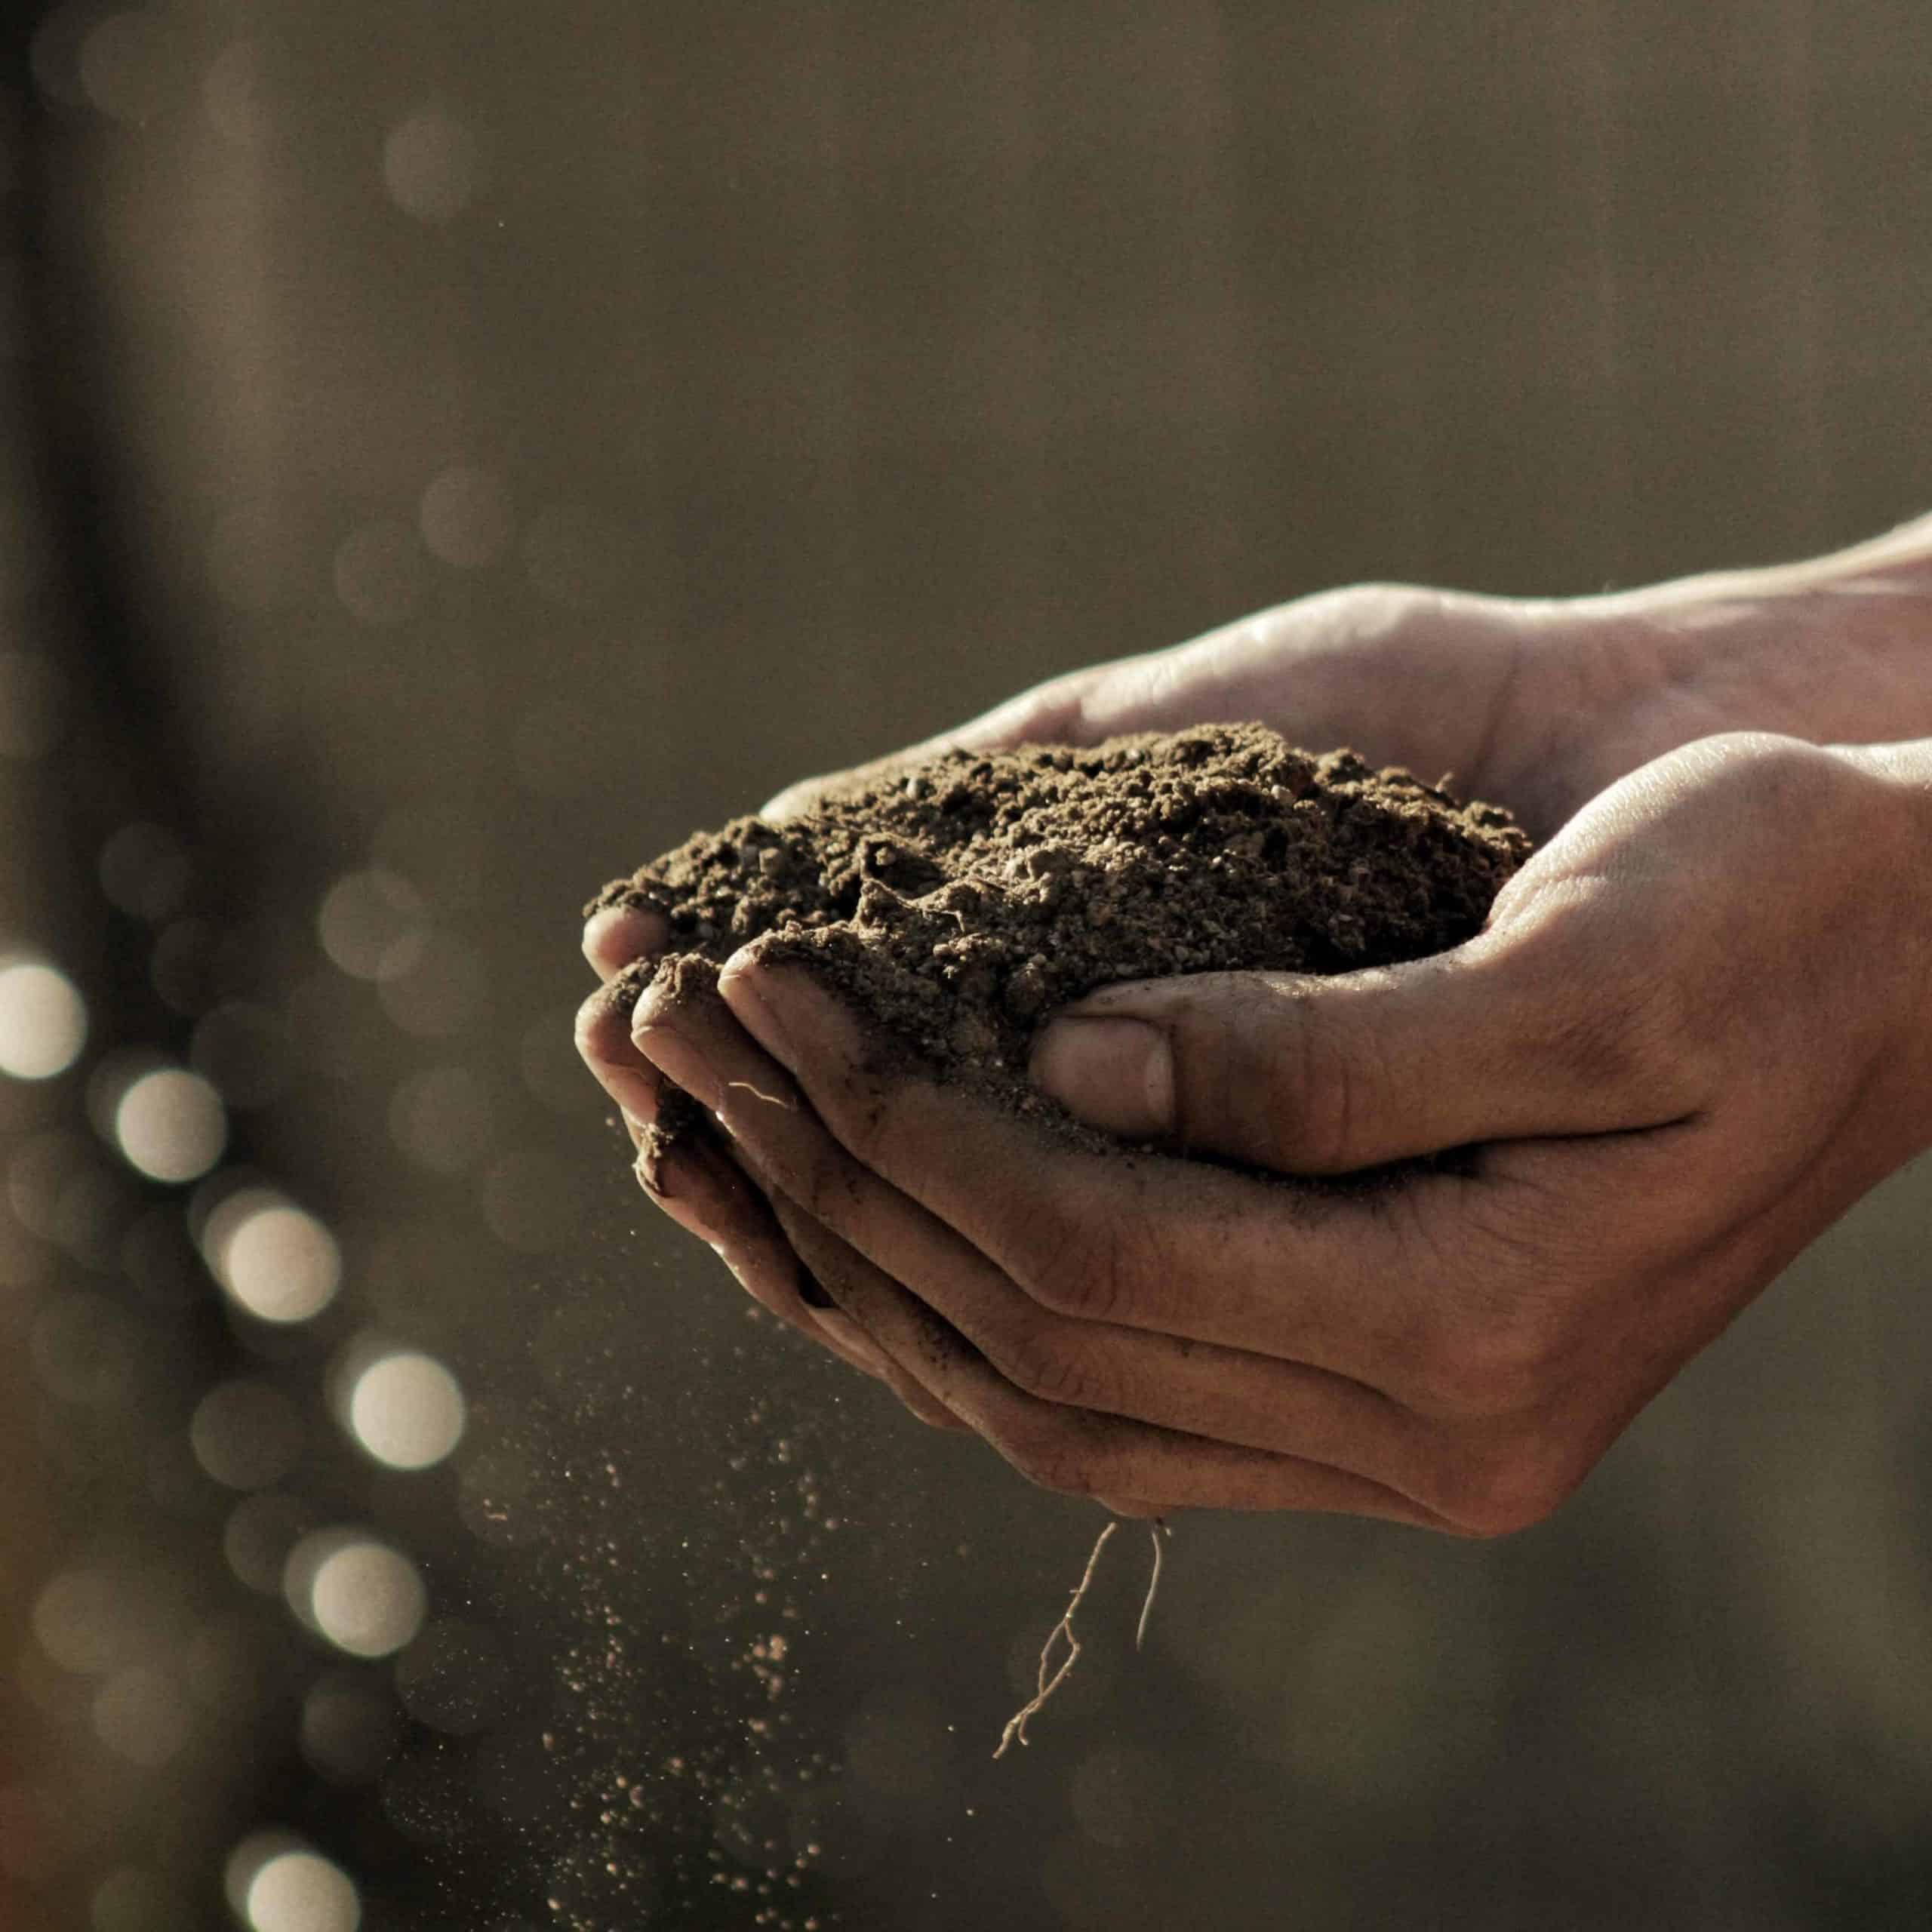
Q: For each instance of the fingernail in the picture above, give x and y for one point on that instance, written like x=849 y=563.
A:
x=674 y=1056
x=599 y=923
x=1117 y=1075
x=755 y=1012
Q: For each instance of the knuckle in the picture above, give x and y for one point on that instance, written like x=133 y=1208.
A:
x=1080 y=1270
x=1643 y=1032
x=1511 y=1489
x=1362 y=612
x=1044 y=1365
x=1643 y=1037
x=823 y=1185
x=1500 y=1365
x=856 y=1106
x=1315 y=1105
x=1047 y=1453
x=1768 y=764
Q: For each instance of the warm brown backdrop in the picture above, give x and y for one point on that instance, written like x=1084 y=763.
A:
x=832 y=371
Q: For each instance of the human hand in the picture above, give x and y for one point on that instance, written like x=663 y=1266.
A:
x=1406 y=675
x=1537 y=704
x=1692 y=1035
x=1345 y=659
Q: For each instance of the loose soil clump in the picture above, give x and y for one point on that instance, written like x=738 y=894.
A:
x=960 y=901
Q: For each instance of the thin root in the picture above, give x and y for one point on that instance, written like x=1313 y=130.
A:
x=1157 y=1529
x=776 y=1099
x=1016 y=1725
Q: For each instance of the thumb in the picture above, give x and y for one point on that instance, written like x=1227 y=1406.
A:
x=1316 y=1074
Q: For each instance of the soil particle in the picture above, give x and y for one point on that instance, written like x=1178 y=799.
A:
x=961 y=901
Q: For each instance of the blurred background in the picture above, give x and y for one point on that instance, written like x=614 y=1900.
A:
x=447 y=454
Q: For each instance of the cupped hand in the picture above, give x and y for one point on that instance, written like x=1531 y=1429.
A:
x=1690 y=1037
x=1358 y=665
x=1537 y=704
x=1434 y=679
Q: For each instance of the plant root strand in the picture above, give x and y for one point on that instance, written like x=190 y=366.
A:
x=1016 y=1725
x=776 y=1099
x=1157 y=1529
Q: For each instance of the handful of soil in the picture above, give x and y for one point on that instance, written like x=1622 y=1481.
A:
x=959 y=901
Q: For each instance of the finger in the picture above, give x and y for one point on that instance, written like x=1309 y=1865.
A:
x=828 y=1259
x=1084 y=1362
x=1507 y=1038
x=1363 y=1282
x=603 y=1032
x=1228 y=1394
x=1080 y=1452
x=696 y=1183
x=614 y=936
x=700 y=1189
x=805 y=1238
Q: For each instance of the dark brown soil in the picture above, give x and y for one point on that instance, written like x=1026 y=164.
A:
x=961 y=901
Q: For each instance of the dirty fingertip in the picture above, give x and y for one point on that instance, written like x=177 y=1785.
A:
x=614 y=935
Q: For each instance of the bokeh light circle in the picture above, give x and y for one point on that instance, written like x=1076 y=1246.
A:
x=276 y=1259
x=361 y=1593
x=43 y=1020
x=235 y=95
x=275 y=1883
x=441 y=1118
x=146 y=871
x=245 y=1434
x=88 y=1620
x=373 y=924
x=406 y=1409
x=170 y=1125
x=143 y=1716
x=380 y=573
x=131 y=1899
x=466 y=516
x=121 y=66
x=259 y=1534
x=351 y=1725
x=429 y=165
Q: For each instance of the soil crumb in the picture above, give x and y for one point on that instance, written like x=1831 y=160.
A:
x=958 y=902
